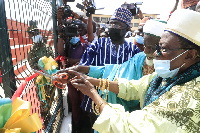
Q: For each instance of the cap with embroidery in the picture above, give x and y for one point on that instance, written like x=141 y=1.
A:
x=185 y=23
x=123 y=15
x=154 y=27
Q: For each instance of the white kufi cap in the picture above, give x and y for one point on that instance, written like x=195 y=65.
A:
x=154 y=27
x=185 y=23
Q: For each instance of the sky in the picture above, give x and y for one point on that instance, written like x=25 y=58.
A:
x=162 y=7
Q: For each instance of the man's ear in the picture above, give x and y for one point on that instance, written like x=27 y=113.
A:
x=191 y=54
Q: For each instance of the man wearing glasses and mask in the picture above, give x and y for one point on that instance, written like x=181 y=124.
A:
x=170 y=97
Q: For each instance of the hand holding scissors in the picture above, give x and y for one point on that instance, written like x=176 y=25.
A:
x=53 y=78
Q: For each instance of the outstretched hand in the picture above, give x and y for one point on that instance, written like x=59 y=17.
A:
x=81 y=83
x=70 y=76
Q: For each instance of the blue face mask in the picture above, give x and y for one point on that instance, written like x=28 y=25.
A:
x=74 y=40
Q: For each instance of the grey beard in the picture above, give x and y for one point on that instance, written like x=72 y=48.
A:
x=149 y=62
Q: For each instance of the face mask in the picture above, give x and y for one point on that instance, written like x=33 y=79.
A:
x=74 y=40
x=162 y=67
x=37 y=38
x=116 y=34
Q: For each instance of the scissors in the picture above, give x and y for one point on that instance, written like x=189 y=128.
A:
x=53 y=78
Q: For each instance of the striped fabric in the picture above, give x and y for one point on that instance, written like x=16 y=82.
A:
x=104 y=52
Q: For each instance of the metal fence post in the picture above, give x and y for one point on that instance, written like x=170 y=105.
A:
x=54 y=16
x=6 y=64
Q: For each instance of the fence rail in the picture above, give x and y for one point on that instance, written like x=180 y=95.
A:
x=21 y=19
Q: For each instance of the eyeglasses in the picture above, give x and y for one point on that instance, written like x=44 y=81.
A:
x=116 y=26
x=160 y=50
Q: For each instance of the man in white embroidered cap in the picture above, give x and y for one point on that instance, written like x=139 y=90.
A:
x=169 y=97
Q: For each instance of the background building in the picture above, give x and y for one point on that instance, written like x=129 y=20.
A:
x=136 y=21
x=103 y=19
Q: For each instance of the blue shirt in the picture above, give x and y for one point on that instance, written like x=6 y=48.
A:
x=104 y=52
x=131 y=69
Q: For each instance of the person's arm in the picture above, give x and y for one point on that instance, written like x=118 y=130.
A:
x=90 y=29
x=91 y=25
x=81 y=83
x=76 y=16
x=126 y=89
x=113 y=117
x=130 y=89
x=140 y=14
x=78 y=68
x=113 y=87
x=59 y=15
x=60 y=46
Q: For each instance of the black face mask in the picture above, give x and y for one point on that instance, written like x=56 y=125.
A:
x=117 y=34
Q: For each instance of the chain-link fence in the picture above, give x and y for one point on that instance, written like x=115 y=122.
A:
x=23 y=24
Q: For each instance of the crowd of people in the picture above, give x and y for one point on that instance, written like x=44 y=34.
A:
x=119 y=81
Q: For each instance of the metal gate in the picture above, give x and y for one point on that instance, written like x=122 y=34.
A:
x=17 y=19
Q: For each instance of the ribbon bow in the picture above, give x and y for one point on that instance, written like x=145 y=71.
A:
x=20 y=119
x=49 y=64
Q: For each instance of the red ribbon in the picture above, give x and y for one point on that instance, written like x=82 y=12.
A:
x=170 y=15
x=81 y=39
x=20 y=89
x=61 y=58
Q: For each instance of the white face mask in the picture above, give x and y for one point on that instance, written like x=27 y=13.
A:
x=162 y=67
